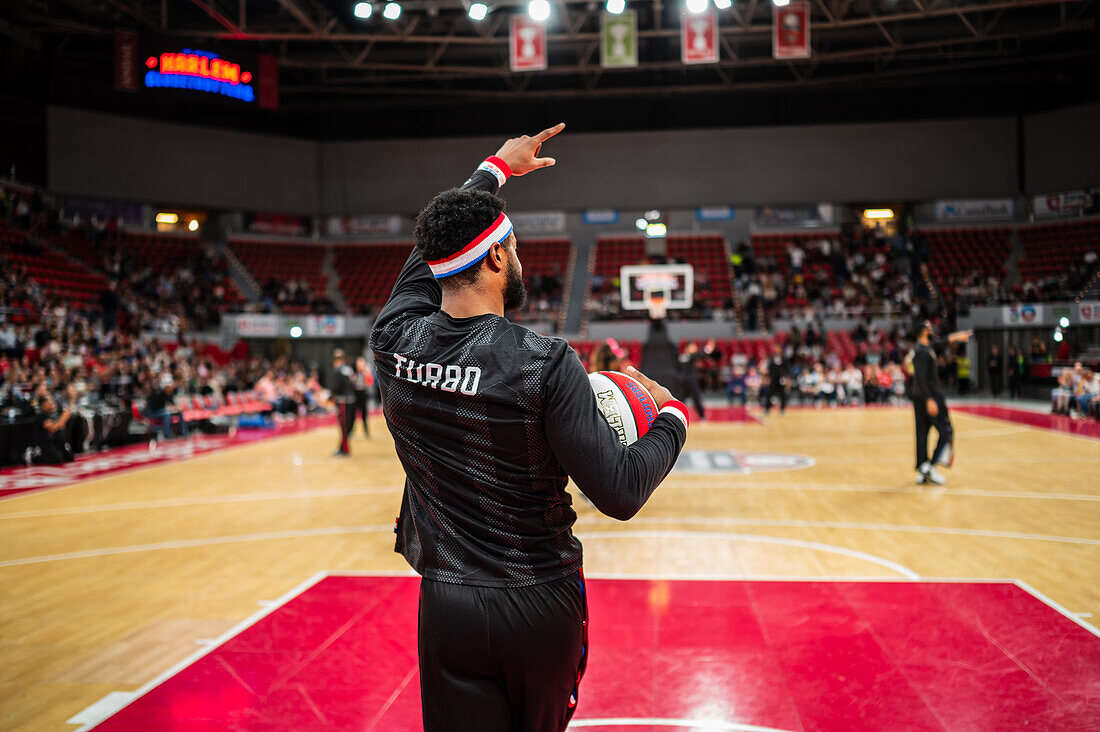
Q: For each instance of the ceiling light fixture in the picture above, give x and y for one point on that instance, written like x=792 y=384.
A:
x=538 y=10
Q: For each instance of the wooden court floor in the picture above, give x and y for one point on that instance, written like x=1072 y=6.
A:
x=107 y=583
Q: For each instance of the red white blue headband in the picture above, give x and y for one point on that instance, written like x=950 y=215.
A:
x=473 y=252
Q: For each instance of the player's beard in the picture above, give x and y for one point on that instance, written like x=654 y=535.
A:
x=515 y=294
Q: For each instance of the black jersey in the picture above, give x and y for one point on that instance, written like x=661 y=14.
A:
x=490 y=420
x=343 y=386
x=926 y=378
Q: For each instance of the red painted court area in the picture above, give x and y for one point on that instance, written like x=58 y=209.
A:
x=1054 y=422
x=712 y=655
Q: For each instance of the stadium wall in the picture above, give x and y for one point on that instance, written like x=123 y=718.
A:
x=1062 y=149
x=107 y=156
x=118 y=157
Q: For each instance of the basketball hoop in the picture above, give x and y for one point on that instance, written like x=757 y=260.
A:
x=657 y=288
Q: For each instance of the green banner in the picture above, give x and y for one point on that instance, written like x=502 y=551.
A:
x=619 y=40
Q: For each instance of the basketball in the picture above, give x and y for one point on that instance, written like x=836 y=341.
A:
x=627 y=406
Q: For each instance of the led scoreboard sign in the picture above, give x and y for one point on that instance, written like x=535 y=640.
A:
x=233 y=73
x=199 y=71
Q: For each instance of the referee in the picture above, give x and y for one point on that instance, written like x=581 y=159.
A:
x=930 y=406
x=490 y=420
x=343 y=394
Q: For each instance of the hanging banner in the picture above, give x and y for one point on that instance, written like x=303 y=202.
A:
x=714 y=213
x=791 y=30
x=1060 y=204
x=619 y=40
x=276 y=224
x=126 y=61
x=1024 y=314
x=539 y=222
x=699 y=38
x=975 y=210
x=268 y=87
x=325 y=326
x=257 y=326
x=356 y=225
x=1088 y=312
x=527 y=44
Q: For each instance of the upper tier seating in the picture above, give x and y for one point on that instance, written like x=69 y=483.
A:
x=705 y=252
x=1049 y=249
x=282 y=262
x=56 y=274
x=773 y=246
x=369 y=271
x=963 y=251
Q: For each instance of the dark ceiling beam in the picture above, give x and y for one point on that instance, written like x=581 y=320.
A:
x=300 y=15
x=761 y=28
x=884 y=52
x=235 y=32
x=511 y=95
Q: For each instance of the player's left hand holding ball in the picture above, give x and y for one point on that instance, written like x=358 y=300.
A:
x=521 y=153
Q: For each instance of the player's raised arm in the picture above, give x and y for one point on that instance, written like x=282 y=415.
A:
x=416 y=290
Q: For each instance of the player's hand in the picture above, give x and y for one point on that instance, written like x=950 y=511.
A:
x=933 y=408
x=521 y=153
x=659 y=393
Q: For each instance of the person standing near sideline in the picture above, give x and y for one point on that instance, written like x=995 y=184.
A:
x=779 y=372
x=343 y=395
x=490 y=420
x=1015 y=372
x=995 y=366
x=363 y=381
x=930 y=406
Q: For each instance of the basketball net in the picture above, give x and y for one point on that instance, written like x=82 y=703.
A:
x=657 y=307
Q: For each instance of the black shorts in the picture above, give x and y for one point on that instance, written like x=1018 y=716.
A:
x=496 y=660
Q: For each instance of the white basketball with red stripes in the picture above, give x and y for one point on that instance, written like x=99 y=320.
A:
x=627 y=406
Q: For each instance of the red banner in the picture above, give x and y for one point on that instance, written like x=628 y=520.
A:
x=126 y=61
x=699 y=38
x=791 y=30
x=268 y=93
x=527 y=44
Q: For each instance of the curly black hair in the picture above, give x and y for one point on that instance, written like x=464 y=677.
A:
x=451 y=221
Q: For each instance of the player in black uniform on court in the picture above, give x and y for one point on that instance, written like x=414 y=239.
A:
x=343 y=395
x=930 y=406
x=490 y=420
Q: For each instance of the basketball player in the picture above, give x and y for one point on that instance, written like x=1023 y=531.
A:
x=490 y=421
x=779 y=372
x=930 y=406
x=363 y=381
x=343 y=394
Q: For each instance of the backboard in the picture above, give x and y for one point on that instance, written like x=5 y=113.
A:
x=657 y=287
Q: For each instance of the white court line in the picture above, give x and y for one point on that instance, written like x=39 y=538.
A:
x=208 y=541
x=1057 y=606
x=146 y=466
x=706 y=725
x=201 y=501
x=816 y=546
x=730 y=484
x=217 y=642
x=806 y=524
x=384 y=528
x=871 y=439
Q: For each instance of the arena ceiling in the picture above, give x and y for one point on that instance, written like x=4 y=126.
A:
x=912 y=57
